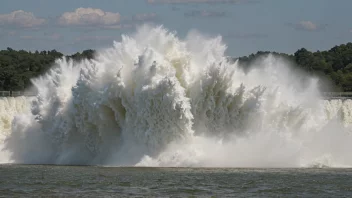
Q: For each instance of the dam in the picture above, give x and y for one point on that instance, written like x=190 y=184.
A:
x=337 y=95
x=17 y=93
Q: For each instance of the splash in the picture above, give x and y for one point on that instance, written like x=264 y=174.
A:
x=9 y=108
x=156 y=100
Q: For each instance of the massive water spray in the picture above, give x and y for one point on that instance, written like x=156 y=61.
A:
x=9 y=108
x=156 y=100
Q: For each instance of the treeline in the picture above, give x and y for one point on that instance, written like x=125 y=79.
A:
x=335 y=65
x=18 y=67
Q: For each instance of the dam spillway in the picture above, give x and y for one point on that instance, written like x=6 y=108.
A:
x=337 y=95
x=17 y=93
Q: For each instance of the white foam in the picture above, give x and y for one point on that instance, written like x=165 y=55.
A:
x=9 y=108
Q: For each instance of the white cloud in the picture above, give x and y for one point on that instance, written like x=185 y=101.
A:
x=89 y=16
x=21 y=18
x=307 y=25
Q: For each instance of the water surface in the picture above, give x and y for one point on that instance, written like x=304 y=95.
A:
x=95 y=181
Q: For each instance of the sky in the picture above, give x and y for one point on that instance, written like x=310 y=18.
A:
x=246 y=26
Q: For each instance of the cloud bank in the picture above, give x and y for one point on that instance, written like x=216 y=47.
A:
x=20 y=18
x=308 y=26
x=80 y=17
x=88 y=17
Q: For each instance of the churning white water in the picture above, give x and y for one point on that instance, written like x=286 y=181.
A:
x=9 y=108
x=156 y=100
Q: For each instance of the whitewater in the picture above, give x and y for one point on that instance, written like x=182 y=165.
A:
x=154 y=99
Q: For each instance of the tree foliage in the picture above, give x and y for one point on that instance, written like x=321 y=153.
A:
x=334 y=64
x=18 y=67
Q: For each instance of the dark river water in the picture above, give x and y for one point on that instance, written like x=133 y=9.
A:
x=92 y=181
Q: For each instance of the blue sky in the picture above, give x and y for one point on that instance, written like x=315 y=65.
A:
x=246 y=25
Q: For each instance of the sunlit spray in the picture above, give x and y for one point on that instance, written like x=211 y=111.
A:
x=156 y=100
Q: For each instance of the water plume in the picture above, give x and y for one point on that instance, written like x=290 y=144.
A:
x=156 y=100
